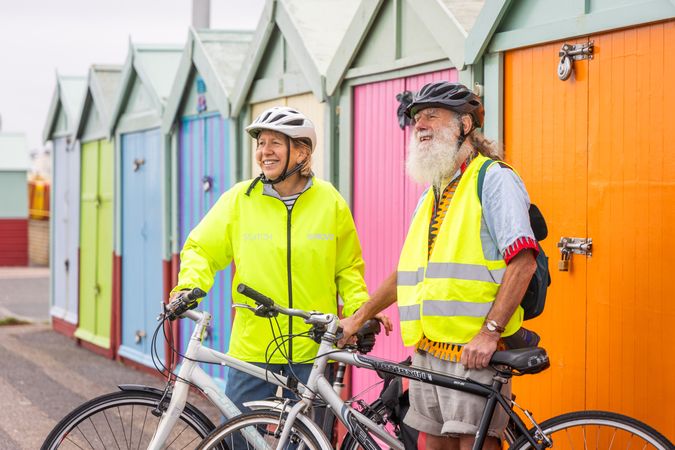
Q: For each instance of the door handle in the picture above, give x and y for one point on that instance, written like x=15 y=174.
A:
x=138 y=162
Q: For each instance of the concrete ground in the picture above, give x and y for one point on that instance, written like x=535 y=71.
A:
x=45 y=375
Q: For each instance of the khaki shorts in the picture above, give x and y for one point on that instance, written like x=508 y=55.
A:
x=445 y=412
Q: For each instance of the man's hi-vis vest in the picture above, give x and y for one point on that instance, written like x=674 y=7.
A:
x=446 y=296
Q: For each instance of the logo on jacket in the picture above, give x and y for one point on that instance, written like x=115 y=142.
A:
x=321 y=237
x=258 y=236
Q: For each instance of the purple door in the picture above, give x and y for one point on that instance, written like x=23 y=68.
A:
x=384 y=198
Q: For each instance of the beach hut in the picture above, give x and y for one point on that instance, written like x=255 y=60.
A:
x=14 y=206
x=203 y=156
x=65 y=193
x=96 y=209
x=293 y=49
x=141 y=267
x=392 y=49
x=581 y=94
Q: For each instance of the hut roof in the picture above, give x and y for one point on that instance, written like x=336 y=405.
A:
x=155 y=65
x=218 y=56
x=67 y=98
x=448 y=21
x=13 y=152
x=102 y=85
x=314 y=31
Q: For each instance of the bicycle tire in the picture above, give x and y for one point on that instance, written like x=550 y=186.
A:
x=228 y=435
x=124 y=420
x=600 y=428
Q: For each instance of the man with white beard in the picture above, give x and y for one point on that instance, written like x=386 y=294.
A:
x=464 y=267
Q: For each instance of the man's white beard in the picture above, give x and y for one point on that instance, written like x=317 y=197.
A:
x=433 y=161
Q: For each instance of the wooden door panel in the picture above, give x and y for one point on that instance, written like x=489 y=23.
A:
x=630 y=198
x=88 y=241
x=545 y=140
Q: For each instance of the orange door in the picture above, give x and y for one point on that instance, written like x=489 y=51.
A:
x=631 y=204
x=545 y=140
x=593 y=151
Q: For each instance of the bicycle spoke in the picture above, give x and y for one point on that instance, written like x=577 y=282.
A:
x=74 y=443
x=611 y=442
x=142 y=429
x=96 y=431
x=105 y=416
x=131 y=428
x=188 y=445
x=124 y=432
x=177 y=436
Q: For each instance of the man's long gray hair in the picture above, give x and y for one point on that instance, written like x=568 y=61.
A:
x=485 y=146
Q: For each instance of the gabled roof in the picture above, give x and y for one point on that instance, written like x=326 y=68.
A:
x=155 y=65
x=68 y=96
x=572 y=21
x=314 y=31
x=102 y=84
x=448 y=21
x=13 y=152
x=486 y=24
x=218 y=56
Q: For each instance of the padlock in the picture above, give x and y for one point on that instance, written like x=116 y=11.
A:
x=564 y=265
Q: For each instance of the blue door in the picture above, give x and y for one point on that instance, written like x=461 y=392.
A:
x=204 y=168
x=141 y=244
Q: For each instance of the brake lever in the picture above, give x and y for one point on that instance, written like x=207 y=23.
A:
x=244 y=306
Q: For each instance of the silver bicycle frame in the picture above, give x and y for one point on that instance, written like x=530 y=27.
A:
x=192 y=373
x=317 y=383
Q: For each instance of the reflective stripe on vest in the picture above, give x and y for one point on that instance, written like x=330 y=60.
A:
x=446 y=296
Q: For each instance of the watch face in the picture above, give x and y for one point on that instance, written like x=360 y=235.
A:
x=491 y=327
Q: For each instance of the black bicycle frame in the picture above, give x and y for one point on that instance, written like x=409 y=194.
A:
x=492 y=393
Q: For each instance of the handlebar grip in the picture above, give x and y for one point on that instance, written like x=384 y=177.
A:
x=255 y=295
x=371 y=326
x=195 y=294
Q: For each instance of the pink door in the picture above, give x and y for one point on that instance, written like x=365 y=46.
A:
x=384 y=198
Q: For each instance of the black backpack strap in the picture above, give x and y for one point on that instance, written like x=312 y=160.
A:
x=481 y=177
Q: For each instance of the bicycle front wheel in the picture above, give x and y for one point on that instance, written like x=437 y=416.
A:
x=598 y=430
x=124 y=419
x=267 y=425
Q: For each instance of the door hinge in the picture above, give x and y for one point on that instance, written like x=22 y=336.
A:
x=572 y=52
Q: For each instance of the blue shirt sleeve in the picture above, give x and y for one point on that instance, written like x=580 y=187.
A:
x=505 y=207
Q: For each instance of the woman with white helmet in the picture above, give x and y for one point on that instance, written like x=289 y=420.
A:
x=291 y=237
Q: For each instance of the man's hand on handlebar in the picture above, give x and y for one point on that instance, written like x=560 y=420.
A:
x=351 y=325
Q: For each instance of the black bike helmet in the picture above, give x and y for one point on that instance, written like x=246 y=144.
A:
x=453 y=96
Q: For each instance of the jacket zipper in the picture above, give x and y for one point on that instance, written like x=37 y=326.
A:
x=290 y=279
x=288 y=270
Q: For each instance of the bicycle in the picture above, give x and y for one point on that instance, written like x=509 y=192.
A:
x=283 y=426
x=146 y=417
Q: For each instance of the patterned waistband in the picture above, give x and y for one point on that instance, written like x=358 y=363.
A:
x=440 y=350
x=446 y=351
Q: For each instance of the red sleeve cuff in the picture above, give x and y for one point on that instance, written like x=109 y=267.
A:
x=520 y=244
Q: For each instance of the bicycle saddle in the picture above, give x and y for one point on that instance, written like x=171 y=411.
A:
x=523 y=360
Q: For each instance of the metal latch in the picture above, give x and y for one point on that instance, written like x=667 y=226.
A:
x=569 y=246
x=140 y=334
x=138 y=162
x=572 y=52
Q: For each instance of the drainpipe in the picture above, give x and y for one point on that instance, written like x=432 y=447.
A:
x=201 y=14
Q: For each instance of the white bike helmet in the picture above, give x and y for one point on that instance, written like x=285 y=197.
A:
x=283 y=119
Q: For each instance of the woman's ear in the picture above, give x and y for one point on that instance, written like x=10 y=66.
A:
x=302 y=157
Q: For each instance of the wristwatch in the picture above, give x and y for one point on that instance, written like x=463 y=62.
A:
x=493 y=327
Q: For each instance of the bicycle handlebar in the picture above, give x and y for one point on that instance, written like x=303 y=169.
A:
x=268 y=305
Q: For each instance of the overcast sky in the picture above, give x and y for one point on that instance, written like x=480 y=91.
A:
x=38 y=37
